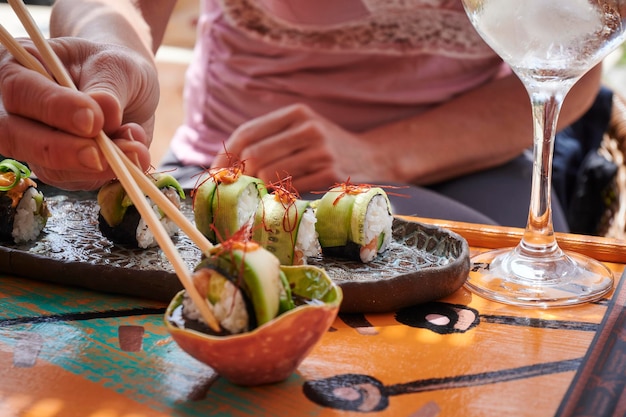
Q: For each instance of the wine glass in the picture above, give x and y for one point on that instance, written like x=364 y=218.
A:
x=549 y=45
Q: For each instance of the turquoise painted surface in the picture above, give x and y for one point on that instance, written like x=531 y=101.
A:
x=160 y=376
x=26 y=298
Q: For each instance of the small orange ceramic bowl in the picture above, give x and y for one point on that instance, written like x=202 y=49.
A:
x=272 y=352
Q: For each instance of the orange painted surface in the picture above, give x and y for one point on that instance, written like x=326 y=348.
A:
x=496 y=360
x=48 y=390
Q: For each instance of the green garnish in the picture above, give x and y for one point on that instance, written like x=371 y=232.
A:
x=17 y=168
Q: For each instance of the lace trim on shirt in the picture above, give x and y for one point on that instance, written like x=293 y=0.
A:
x=393 y=28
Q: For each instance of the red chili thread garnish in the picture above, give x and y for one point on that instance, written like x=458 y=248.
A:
x=348 y=188
x=227 y=175
x=219 y=176
x=286 y=195
x=152 y=172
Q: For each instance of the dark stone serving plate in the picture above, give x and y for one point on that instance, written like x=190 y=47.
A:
x=423 y=263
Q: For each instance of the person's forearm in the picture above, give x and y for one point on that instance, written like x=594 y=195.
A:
x=138 y=24
x=480 y=129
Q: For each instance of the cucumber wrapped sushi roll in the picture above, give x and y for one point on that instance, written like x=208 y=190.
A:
x=225 y=201
x=354 y=222
x=120 y=221
x=285 y=226
x=243 y=284
x=23 y=209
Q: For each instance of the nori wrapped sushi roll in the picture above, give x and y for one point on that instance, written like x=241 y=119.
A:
x=23 y=209
x=243 y=284
x=225 y=201
x=285 y=225
x=354 y=222
x=120 y=221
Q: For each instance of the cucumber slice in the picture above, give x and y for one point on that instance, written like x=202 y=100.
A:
x=262 y=283
x=354 y=225
x=203 y=208
x=341 y=218
x=334 y=213
x=271 y=221
x=231 y=206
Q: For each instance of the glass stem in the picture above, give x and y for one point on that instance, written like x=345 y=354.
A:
x=539 y=239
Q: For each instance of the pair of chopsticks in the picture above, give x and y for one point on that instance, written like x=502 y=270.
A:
x=134 y=181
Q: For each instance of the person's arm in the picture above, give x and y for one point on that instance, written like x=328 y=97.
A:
x=138 y=24
x=108 y=48
x=479 y=129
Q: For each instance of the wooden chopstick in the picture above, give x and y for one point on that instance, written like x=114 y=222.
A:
x=27 y=60
x=21 y=54
x=63 y=78
x=118 y=161
x=167 y=206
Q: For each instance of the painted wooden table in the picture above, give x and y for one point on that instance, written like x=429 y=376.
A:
x=71 y=352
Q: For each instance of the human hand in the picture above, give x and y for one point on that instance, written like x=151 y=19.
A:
x=296 y=141
x=51 y=128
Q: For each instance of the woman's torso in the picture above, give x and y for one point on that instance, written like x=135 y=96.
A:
x=361 y=63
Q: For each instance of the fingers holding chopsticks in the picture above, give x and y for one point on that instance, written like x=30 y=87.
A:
x=51 y=127
x=32 y=96
x=59 y=158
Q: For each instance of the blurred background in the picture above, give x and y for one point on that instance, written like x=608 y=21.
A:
x=35 y=2
x=172 y=60
x=175 y=54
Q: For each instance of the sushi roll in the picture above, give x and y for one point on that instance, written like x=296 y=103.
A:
x=23 y=209
x=120 y=221
x=225 y=201
x=285 y=226
x=354 y=222
x=243 y=284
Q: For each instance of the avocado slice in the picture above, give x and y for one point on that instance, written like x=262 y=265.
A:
x=166 y=180
x=113 y=203
x=258 y=274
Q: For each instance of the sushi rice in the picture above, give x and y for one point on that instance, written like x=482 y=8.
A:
x=307 y=242
x=28 y=222
x=247 y=204
x=145 y=237
x=377 y=221
x=230 y=311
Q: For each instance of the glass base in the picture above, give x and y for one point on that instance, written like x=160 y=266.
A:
x=510 y=277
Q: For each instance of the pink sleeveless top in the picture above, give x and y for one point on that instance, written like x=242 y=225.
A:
x=361 y=63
